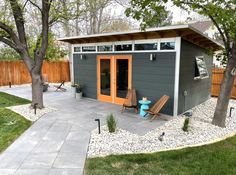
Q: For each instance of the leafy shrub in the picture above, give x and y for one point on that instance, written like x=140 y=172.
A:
x=186 y=125
x=7 y=53
x=111 y=123
x=54 y=51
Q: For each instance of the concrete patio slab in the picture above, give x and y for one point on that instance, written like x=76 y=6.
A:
x=65 y=171
x=32 y=172
x=48 y=146
x=12 y=160
x=69 y=162
x=39 y=161
x=57 y=143
x=74 y=147
x=7 y=171
x=73 y=136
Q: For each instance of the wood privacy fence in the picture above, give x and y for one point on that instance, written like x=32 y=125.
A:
x=17 y=73
x=217 y=77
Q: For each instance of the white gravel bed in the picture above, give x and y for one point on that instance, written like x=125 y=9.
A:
x=28 y=112
x=201 y=131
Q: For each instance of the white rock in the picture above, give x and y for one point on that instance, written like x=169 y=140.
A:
x=200 y=131
x=28 y=112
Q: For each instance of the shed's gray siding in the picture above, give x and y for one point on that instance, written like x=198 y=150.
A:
x=151 y=79
x=198 y=90
x=85 y=72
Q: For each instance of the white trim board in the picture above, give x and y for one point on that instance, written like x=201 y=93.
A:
x=133 y=42
x=71 y=61
x=177 y=71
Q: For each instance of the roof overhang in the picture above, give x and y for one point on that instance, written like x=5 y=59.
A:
x=186 y=32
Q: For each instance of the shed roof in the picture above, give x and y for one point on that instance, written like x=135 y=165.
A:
x=187 y=32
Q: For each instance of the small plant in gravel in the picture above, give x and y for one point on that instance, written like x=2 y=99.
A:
x=111 y=123
x=186 y=125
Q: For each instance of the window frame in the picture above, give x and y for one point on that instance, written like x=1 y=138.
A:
x=105 y=44
x=100 y=45
x=150 y=41
x=76 y=51
x=131 y=42
x=200 y=77
x=123 y=43
x=167 y=42
x=88 y=45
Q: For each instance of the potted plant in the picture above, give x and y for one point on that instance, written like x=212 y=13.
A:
x=78 y=90
x=73 y=89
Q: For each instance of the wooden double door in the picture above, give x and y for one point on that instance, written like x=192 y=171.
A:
x=114 y=75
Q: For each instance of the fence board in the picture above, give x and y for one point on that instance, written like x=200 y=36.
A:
x=217 y=77
x=17 y=73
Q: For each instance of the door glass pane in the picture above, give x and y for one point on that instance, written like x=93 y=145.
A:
x=121 y=77
x=105 y=74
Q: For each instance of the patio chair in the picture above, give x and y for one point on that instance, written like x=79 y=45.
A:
x=130 y=101
x=155 y=109
x=60 y=87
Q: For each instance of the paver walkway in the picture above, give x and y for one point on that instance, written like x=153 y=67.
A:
x=57 y=143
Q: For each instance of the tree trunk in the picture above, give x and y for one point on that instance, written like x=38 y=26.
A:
x=18 y=41
x=99 y=20
x=66 y=25
x=225 y=91
x=77 y=29
x=37 y=90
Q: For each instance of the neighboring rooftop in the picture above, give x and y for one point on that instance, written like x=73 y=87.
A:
x=202 y=26
x=187 y=32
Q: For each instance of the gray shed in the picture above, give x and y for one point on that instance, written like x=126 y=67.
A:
x=171 y=60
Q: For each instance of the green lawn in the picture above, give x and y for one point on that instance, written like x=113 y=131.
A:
x=11 y=100
x=11 y=123
x=215 y=159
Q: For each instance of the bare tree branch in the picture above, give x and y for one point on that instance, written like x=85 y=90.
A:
x=9 y=30
x=25 y=4
x=53 y=20
x=36 y=5
x=37 y=45
x=19 y=20
x=9 y=43
x=224 y=38
x=213 y=20
x=227 y=37
x=41 y=52
x=45 y=24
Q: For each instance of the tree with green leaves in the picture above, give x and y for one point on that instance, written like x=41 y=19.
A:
x=54 y=51
x=150 y=13
x=7 y=53
x=222 y=13
x=13 y=34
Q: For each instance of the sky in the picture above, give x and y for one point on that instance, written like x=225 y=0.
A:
x=178 y=14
